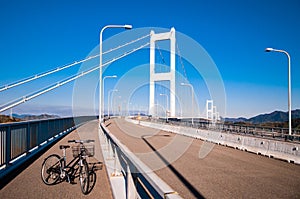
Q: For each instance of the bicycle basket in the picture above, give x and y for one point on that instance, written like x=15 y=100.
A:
x=87 y=150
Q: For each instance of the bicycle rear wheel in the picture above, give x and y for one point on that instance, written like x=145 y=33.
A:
x=51 y=168
x=84 y=177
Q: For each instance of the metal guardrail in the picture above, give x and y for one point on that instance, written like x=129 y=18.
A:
x=257 y=131
x=146 y=183
x=20 y=138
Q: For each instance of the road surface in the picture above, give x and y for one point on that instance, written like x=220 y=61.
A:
x=223 y=173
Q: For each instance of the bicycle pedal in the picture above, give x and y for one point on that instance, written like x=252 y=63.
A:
x=72 y=182
x=68 y=179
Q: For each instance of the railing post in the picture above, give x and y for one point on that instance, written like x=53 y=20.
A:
x=109 y=148
x=116 y=171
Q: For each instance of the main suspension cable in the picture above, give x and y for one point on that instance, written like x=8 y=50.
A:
x=44 y=74
x=61 y=83
x=126 y=44
x=37 y=76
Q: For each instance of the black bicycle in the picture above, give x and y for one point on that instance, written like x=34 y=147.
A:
x=55 y=168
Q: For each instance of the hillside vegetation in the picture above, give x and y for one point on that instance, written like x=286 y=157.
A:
x=18 y=118
x=8 y=119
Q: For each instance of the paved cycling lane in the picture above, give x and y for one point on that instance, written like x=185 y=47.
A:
x=28 y=184
x=223 y=173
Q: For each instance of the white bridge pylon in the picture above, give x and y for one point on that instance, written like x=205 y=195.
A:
x=165 y=76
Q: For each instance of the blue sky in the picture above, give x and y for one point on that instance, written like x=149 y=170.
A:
x=37 y=36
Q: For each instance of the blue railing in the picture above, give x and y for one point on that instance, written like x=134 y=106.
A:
x=20 y=138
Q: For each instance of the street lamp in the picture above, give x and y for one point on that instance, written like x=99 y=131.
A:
x=110 y=76
x=100 y=64
x=128 y=109
x=192 y=89
x=167 y=99
x=289 y=84
x=119 y=105
x=108 y=101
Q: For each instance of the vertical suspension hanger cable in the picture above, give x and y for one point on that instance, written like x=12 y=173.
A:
x=181 y=61
x=183 y=91
x=161 y=55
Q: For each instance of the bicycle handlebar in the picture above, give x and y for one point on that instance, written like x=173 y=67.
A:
x=81 y=141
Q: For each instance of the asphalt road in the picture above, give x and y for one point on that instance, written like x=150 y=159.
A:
x=28 y=184
x=223 y=173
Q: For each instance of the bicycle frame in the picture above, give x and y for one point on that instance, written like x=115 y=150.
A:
x=56 y=168
x=71 y=165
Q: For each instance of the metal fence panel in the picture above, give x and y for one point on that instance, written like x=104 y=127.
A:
x=18 y=141
x=20 y=137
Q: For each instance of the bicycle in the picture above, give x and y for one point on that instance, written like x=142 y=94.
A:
x=55 y=168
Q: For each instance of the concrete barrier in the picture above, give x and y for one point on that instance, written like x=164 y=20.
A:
x=287 y=151
x=124 y=168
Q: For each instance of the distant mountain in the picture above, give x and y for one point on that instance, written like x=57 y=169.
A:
x=34 y=117
x=19 y=116
x=234 y=120
x=26 y=117
x=276 y=116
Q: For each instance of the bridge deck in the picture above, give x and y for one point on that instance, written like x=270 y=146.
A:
x=28 y=184
x=224 y=173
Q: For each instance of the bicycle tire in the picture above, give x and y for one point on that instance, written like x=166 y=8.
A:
x=84 y=177
x=51 y=167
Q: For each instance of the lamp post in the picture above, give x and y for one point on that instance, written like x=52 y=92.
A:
x=167 y=99
x=289 y=84
x=192 y=89
x=112 y=76
x=119 y=105
x=100 y=65
x=128 y=109
x=108 y=101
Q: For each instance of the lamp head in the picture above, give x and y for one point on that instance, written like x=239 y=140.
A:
x=128 y=27
x=269 y=49
x=114 y=76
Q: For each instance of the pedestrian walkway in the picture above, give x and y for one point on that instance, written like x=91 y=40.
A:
x=28 y=184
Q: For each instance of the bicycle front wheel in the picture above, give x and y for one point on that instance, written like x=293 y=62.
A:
x=51 y=169
x=84 y=177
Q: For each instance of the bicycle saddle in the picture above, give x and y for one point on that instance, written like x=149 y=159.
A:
x=64 y=146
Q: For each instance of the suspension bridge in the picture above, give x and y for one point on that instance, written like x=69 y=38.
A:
x=169 y=151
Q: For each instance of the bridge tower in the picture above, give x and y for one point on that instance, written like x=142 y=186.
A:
x=166 y=76
x=209 y=110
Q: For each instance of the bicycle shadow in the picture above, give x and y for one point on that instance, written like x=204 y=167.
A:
x=93 y=167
